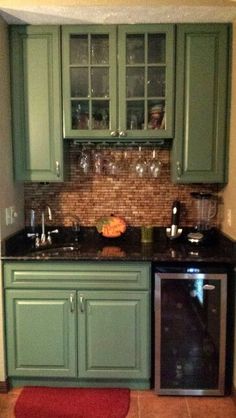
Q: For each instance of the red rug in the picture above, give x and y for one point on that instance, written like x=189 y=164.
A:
x=44 y=402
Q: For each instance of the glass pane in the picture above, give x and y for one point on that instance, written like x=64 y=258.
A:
x=100 y=112
x=79 y=82
x=135 y=82
x=100 y=82
x=156 y=114
x=135 y=115
x=156 y=81
x=190 y=334
x=157 y=48
x=80 y=114
x=99 y=49
x=79 y=49
x=135 y=49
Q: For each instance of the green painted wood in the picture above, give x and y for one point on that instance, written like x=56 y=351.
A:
x=36 y=103
x=199 y=149
x=41 y=333
x=67 y=32
x=169 y=31
x=138 y=384
x=41 y=320
x=77 y=275
x=114 y=334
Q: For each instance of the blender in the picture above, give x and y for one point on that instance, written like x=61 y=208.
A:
x=205 y=209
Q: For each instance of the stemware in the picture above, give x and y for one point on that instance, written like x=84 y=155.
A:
x=112 y=167
x=140 y=166
x=154 y=165
x=98 y=162
x=84 y=162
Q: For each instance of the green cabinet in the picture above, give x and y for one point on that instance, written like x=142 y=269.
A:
x=36 y=103
x=199 y=152
x=108 y=320
x=41 y=333
x=66 y=320
x=118 y=82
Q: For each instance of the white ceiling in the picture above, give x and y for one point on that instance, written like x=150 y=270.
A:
x=105 y=15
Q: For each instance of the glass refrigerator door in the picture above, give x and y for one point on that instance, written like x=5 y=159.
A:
x=192 y=334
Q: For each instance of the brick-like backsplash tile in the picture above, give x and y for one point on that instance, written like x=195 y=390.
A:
x=139 y=200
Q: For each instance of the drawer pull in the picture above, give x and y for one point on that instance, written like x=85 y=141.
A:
x=81 y=303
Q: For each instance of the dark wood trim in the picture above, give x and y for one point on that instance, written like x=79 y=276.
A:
x=4 y=387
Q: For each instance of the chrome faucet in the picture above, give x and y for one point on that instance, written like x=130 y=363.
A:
x=43 y=235
x=44 y=238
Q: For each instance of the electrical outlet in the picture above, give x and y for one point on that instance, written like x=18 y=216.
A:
x=10 y=215
x=229 y=217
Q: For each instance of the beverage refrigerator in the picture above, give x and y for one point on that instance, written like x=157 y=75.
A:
x=190 y=307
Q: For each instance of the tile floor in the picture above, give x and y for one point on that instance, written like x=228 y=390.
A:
x=145 y=404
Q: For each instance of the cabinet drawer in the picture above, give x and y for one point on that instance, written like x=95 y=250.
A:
x=82 y=275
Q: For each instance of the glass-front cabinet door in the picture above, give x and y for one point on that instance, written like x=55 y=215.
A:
x=146 y=80
x=123 y=91
x=89 y=81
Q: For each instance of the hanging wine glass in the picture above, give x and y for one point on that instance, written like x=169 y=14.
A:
x=123 y=164
x=98 y=161
x=154 y=165
x=140 y=166
x=112 y=166
x=84 y=162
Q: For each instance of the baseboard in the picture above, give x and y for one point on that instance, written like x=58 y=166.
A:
x=4 y=386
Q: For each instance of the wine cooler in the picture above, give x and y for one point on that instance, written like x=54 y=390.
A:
x=190 y=332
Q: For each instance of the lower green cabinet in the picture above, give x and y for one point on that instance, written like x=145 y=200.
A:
x=113 y=331
x=41 y=333
x=87 y=322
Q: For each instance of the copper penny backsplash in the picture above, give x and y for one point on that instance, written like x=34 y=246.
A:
x=140 y=200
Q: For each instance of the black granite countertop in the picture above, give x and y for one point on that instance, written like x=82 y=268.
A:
x=88 y=244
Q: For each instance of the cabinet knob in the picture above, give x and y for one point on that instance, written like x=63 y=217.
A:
x=58 y=170
x=122 y=134
x=114 y=133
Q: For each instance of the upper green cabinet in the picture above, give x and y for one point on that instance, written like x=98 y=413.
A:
x=199 y=146
x=36 y=102
x=118 y=82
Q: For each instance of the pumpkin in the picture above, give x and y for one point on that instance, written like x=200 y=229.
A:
x=111 y=226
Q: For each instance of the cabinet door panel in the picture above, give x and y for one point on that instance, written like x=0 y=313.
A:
x=36 y=99
x=199 y=149
x=146 y=80
x=40 y=333
x=89 y=81
x=113 y=334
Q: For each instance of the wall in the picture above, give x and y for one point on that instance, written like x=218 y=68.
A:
x=10 y=194
x=229 y=192
x=139 y=200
